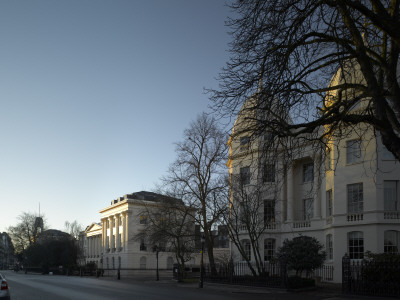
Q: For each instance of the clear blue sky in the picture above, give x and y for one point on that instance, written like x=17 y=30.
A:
x=93 y=95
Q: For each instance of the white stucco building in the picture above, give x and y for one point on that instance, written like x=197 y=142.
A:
x=346 y=197
x=113 y=243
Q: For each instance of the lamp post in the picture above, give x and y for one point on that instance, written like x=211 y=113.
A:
x=157 y=250
x=202 y=262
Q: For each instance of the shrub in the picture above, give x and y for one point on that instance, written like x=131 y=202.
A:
x=302 y=253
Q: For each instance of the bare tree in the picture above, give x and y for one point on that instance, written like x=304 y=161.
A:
x=73 y=228
x=326 y=63
x=170 y=227
x=197 y=174
x=27 y=231
x=249 y=217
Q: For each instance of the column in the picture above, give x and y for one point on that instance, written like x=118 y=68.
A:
x=117 y=244
x=317 y=187
x=123 y=230
x=103 y=235
x=110 y=220
x=290 y=199
x=126 y=232
x=91 y=246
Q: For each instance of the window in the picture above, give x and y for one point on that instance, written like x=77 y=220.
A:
x=390 y=195
x=328 y=160
x=308 y=208
x=243 y=212
x=269 y=249
x=269 y=138
x=269 y=211
x=245 y=175
x=329 y=204
x=356 y=245
x=308 y=172
x=329 y=247
x=244 y=143
x=386 y=154
x=143 y=220
x=353 y=151
x=143 y=263
x=269 y=173
x=391 y=242
x=170 y=263
x=247 y=249
x=223 y=241
x=355 y=198
x=143 y=246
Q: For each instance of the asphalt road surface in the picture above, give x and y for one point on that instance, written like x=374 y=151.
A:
x=42 y=287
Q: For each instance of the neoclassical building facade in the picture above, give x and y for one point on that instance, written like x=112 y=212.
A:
x=345 y=194
x=113 y=244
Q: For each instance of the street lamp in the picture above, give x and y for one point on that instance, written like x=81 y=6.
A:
x=202 y=262
x=157 y=250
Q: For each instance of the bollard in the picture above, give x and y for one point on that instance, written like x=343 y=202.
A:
x=119 y=275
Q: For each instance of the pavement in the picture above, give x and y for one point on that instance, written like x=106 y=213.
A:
x=331 y=291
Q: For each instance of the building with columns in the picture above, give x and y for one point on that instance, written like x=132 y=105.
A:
x=345 y=194
x=113 y=243
x=92 y=247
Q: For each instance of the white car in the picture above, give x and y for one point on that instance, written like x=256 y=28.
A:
x=4 y=290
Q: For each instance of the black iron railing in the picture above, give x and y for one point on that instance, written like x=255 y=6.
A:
x=368 y=277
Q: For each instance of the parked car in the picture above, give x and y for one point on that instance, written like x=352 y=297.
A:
x=4 y=290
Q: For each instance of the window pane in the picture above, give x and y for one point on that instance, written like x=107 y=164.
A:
x=245 y=175
x=355 y=198
x=244 y=143
x=329 y=247
x=391 y=241
x=390 y=195
x=329 y=203
x=269 y=173
x=269 y=249
x=308 y=172
x=269 y=211
x=356 y=245
x=353 y=151
x=247 y=249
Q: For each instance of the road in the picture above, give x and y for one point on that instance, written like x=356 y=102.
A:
x=43 y=287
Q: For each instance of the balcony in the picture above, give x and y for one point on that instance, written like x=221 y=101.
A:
x=301 y=224
x=355 y=217
x=391 y=215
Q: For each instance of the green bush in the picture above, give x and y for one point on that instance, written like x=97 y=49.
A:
x=302 y=253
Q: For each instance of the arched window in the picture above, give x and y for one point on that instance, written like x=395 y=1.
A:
x=269 y=249
x=143 y=263
x=170 y=263
x=247 y=249
x=391 y=242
